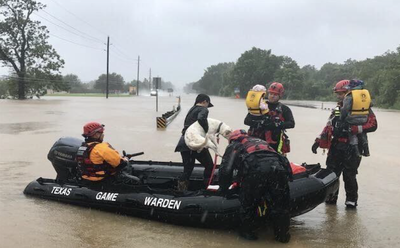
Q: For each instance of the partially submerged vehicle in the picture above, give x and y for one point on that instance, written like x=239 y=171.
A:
x=155 y=197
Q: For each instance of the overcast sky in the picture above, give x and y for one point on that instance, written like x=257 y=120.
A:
x=179 y=39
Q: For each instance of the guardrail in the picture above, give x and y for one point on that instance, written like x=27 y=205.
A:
x=168 y=117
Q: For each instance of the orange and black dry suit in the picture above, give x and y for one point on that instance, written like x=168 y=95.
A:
x=96 y=161
x=263 y=176
x=341 y=155
x=271 y=127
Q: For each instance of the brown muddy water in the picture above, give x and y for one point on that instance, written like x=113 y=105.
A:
x=29 y=128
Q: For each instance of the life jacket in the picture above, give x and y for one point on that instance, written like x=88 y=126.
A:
x=282 y=140
x=361 y=102
x=89 y=170
x=253 y=101
x=251 y=145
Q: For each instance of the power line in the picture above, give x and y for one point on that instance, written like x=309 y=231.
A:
x=66 y=29
x=79 y=18
x=123 y=55
x=94 y=38
x=87 y=23
x=124 y=59
x=76 y=43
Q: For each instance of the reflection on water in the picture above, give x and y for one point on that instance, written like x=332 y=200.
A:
x=29 y=128
x=16 y=128
x=54 y=112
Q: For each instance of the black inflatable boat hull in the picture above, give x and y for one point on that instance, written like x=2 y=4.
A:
x=154 y=200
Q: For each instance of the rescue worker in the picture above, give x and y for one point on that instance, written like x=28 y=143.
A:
x=263 y=176
x=199 y=112
x=98 y=161
x=271 y=126
x=342 y=157
x=355 y=111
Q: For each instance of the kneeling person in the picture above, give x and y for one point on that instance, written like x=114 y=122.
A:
x=263 y=175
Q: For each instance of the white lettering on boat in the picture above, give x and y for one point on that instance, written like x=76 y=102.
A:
x=104 y=196
x=61 y=191
x=162 y=203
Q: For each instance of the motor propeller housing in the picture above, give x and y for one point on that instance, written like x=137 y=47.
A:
x=62 y=156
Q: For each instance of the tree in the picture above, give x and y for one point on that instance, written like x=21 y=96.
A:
x=290 y=76
x=24 y=47
x=213 y=78
x=74 y=84
x=166 y=85
x=115 y=82
x=3 y=88
x=255 y=66
x=188 y=88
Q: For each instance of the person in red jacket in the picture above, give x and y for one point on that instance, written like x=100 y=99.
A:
x=342 y=157
x=272 y=126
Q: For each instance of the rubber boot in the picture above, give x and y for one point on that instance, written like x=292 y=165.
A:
x=351 y=204
x=283 y=238
x=332 y=199
x=281 y=228
x=183 y=185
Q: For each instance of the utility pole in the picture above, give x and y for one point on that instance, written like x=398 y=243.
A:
x=137 y=79
x=150 y=83
x=108 y=61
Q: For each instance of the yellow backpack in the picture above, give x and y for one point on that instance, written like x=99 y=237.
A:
x=361 y=102
x=253 y=100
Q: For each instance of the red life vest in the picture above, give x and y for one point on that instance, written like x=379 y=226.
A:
x=275 y=114
x=87 y=167
x=251 y=144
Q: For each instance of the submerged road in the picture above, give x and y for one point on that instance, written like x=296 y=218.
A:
x=29 y=128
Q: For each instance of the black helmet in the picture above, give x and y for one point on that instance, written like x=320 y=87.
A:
x=202 y=98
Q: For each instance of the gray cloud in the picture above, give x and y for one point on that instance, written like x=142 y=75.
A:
x=179 y=39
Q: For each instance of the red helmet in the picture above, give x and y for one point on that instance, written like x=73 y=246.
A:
x=276 y=88
x=236 y=134
x=92 y=128
x=341 y=86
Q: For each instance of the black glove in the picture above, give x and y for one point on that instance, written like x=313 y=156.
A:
x=315 y=147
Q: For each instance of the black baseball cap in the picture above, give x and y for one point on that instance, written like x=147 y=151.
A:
x=202 y=98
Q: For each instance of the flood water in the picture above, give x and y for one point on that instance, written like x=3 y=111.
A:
x=29 y=128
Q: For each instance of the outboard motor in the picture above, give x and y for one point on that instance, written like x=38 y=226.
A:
x=62 y=156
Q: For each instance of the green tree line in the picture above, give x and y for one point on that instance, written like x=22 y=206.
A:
x=381 y=75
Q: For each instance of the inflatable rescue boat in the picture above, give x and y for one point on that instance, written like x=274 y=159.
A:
x=154 y=196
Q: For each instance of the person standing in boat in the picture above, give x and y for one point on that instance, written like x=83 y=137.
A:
x=199 y=112
x=271 y=125
x=342 y=155
x=263 y=176
x=98 y=161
